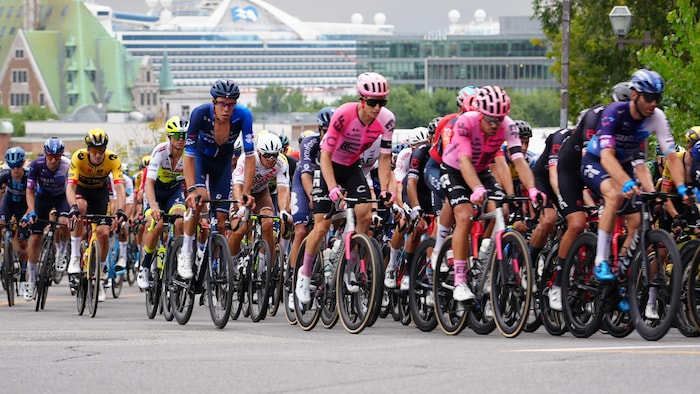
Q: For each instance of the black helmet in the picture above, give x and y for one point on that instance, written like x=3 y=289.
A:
x=225 y=88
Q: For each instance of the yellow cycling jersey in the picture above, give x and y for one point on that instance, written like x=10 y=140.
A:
x=91 y=176
x=666 y=173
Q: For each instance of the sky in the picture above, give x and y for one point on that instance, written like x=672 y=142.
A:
x=407 y=16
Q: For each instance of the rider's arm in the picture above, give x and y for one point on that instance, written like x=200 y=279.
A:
x=121 y=196
x=468 y=173
x=386 y=179
x=31 y=199
x=71 y=193
x=524 y=172
x=307 y=181
x=609 y=161
x=249 y=174
x=327 y=169
x=150 y=190
x=283 y=198
x=502 y=174
x=677 y=170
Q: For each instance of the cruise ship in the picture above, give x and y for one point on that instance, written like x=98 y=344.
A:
x=192 y=43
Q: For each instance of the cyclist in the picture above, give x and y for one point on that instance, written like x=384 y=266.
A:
x=291 y=155
x=678 y=213
x=614 y=154
x=164 y=192
x=569 y=187
x=269 y=165
x=420 y=200
x=140 y=197
x=302 y=183
x=87 y=192
x=466 y=176
x=353 y=128
x=211 y=137
x=46 y=190
x=13 y=184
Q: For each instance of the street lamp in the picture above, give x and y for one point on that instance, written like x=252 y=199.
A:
x=621 y=21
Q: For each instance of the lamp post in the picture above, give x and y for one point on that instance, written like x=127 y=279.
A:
x=621 y=21
x=565 y=29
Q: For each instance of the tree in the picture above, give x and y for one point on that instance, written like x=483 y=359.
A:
x=29 y=112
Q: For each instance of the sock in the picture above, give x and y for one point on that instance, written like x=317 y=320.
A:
x=75 y=246
x=652 y=295
x=187 y=244
x=284 y=244
x=147 y=260
x=308 y=267
x=460 y=272
x=603 y=247
x=31 y=271
x=409 y=258
x=442 y=233
x=393 y=256
x=557 y=271
x=122 y=249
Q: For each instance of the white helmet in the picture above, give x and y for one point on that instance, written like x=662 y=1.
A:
x=269 y=143
x=238 y=144
x=419 y=135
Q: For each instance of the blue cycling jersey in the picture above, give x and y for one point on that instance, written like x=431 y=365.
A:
x=200 y=134
x=46 y=182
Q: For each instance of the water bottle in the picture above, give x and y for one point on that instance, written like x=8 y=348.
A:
x=327 y=266
x=484 y=250
x=160 y=256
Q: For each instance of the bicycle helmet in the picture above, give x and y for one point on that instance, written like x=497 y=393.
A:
x=372 y=85
x=692 y=135
x=269 y=143
x=324 y=116
x=622 y=92
x=238 y=144
x=14 y=157
x=96 y=138
x=493 y=101
x=285 y=140
x=469 y=104
x=145 y=161
x=647 y=81
x=418 y=135
x=176 y=125
x=695 y=152
x=432 y=126
x=525 y=129
x=225 y=88
x=306 y=133
x=464 y=93
x=125 y=169
x=54 y=146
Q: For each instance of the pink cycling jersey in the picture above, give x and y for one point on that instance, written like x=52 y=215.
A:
x=347 y=137
x=469 y=140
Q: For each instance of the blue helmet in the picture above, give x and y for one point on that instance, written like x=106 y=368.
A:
x=14 y=157
x=225 y=88
x=695 y=152
x=54 y=146
x=647 y=81
x=324 y=116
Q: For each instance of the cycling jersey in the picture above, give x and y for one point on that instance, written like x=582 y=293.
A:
x=15 y=191
x=469 y=140
x=445 y=127
x=369 y=158
x=162 y=170
x=94 y=176
x=200 y=133
x=46 y=182
x=403 y=164
x=347 y=137
x=263 y=175
x=620 y=131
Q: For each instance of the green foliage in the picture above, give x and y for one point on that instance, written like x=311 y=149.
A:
x=29 y=112
x=278 y=99
x=539 y=108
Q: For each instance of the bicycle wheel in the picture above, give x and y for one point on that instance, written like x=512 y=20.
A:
x=684 y=320
x=359 y=300
x=181 y=291
x=118 y=281
x=9 y=270
x=534 y=315
x=276 y=282
x=220 y=283
x=44 y=272
x=93 y=278
x=58 y=276
x=666 y=280
x=693 y=299
x=511 y=284
x=132 y=259
x=329 y=306
x=153 y=293
x=288 y=276
x=579 y=288
x=307 y=315
x=240 y=285
x=451 y=315
x=553 y=321
x=260 y=275
x=169 y=270
x=420 y=288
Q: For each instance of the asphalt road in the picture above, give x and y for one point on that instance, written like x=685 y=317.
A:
x=120 y=350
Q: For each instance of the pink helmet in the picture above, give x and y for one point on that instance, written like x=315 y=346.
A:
x=469 y=103
x=493 y=101
x=372 y=85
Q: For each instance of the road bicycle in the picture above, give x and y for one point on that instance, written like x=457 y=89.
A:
x=133 y=251
x=355 y=276
x=11 y=270
x=87 y=283
x=46 y=265
x=214 y=276
x=158 y=293
x=113 y=275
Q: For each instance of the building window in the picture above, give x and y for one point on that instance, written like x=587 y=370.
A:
x=148 y=76
x=19 y=76
x=42 y=100
x=143 y=99
x=19 y=99
x=186 y=111
x=19 y=53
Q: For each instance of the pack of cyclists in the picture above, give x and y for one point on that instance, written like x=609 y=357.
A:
x=447 y=168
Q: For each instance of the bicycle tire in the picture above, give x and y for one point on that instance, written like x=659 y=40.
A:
x=420 y=288
x=693 y=299
x=377 y=305
x=81 y=294
x=534 y=315
x=132 y=260
x=308 y=315
x=93 y=278
x=153 y=294
x=260 y=275
x=58 y=276
x=329 y=306
x=9 y=268
x=684 y=321
x=553 y=321
x=582 y=314
x=288 y=289
x=451 y=315
x=240 y=288
x=276 y=282
x=219 y=279
x=45 y=276
x=510 y=297
x=169 y=269
x=357 y=310
x=182 y=292
x=668 y=287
